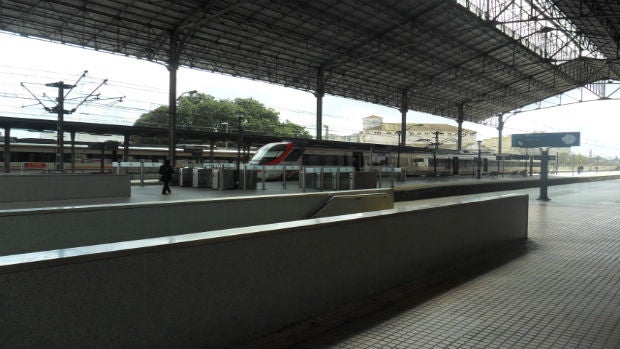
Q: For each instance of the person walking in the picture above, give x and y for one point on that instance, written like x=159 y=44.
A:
x=166 y=172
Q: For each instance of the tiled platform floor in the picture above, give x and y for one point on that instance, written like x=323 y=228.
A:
x=561 y=291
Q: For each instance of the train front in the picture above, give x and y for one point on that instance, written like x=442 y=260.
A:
x=272 y=154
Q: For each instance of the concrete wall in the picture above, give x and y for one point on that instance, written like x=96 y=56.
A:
x=48 y=187
x=28 y=230
x=219 y=288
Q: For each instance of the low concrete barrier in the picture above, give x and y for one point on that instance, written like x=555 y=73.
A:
x=29 y=230
x=62 y=186
x=219 y=288
x=405 y=193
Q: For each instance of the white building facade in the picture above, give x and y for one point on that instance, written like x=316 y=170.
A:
x=418 y=135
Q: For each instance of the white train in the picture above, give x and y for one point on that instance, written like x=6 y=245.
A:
x=365 y=157
x=31 y=156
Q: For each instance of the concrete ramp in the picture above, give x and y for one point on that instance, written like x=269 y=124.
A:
x=352 y=203
x=40 y=229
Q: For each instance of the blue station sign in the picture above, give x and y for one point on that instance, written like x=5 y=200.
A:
x=555 y=140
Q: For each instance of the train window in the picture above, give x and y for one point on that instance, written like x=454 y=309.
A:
x=324 y=160
x=266 y=155
x=311 y=159
x=379 y=160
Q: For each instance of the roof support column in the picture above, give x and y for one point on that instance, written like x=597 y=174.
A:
x=320 y=92
x=459 y=120
x=173 y=66
x=7 y=149
x=404 y=108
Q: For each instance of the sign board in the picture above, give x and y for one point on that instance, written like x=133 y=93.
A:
x=556 y=140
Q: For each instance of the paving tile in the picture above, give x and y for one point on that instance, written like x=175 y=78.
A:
x=564 y=292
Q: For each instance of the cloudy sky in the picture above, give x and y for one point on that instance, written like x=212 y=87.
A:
x=143 y=86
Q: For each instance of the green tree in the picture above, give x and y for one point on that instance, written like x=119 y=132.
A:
x=203 y=112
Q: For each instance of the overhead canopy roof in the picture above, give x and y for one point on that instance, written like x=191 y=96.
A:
x=598 y=20
x=442 y=56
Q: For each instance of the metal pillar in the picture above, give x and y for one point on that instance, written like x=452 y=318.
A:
x=435 y=149
x=500 y=129
x=126 y=147
x=404 y=107
x=60 y=129
x=461 y=116
x=320 y=92
x=211 y=154
x=72 y=151
x=239 y=146
x=102 y=155
x=399 y=133
x=544 y=172
x=479 y=167
x=173 y=66
x=60 y=111
x=7 y=149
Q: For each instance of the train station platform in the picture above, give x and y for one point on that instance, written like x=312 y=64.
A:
x=413 y=188
x=560 y=288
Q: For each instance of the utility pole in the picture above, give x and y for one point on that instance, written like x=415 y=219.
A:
x=60 y=111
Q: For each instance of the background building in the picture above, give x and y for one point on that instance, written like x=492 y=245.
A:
x=418 y=135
